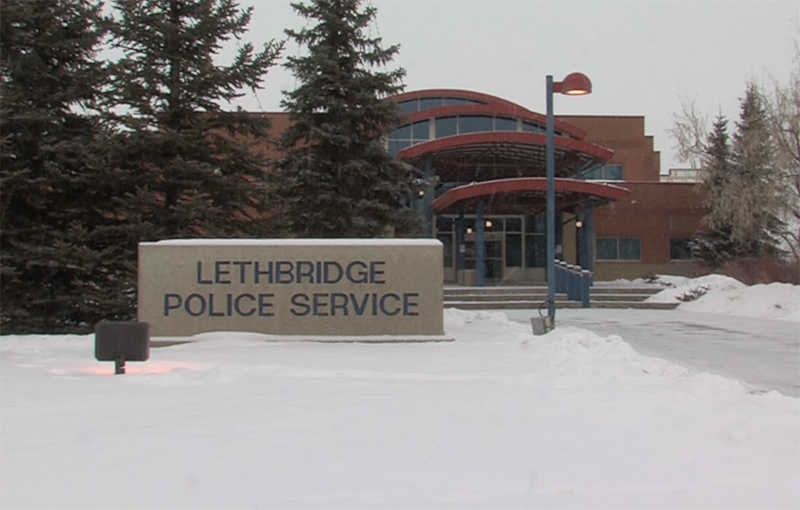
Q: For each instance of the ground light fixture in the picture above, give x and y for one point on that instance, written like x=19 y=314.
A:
x=119 y=342
x=575 y=84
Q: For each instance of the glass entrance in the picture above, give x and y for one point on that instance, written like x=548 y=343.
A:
x=493 y=256
x=512 y=245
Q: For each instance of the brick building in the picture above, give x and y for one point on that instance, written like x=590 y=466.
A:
x=480 y=161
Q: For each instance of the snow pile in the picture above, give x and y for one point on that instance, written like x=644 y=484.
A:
x=725 y=295
x=583 y=357
x=497 y=419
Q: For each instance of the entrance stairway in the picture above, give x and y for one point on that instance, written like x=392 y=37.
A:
x=535 y=296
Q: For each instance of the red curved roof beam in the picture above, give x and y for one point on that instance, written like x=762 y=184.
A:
x=606 y=192
x=457 y=93
x=489 y=100
x=524 y=138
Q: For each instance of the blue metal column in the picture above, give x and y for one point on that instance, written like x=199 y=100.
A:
x=427 y=199
x=459 y=242
x=480 y=256
x=460 y=246
x=588 y=226
x=559 y=236
x=551 y=207
x=580 y=246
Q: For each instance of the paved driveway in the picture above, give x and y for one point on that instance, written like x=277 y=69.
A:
x=764 y=353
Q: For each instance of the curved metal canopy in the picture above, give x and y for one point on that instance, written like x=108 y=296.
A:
x=526 y=195
x=502 y=155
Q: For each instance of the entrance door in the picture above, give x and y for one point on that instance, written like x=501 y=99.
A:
x=493 y=255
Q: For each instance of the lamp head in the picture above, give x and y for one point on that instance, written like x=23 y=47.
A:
x=575 y=84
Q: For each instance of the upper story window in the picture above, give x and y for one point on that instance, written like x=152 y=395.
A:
x=441 y=127
x=533 y=127
x=408 y=135
x=463 y=124
x=426 y=103
x=474 y=124
x=604 y=173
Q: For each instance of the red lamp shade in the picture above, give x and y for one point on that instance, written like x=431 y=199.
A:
x=575 y=84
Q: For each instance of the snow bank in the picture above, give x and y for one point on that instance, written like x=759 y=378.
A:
x=725 y=295
x=584 y=357
x=499 y=418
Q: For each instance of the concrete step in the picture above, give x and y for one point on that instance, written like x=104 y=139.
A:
x=539 y=296
x=527 y=304
x=644 y=305
x=495 y=290
x=646 y=291
x=529 y=296
x=617 y=297
x=535 y=296
x=597 y=288
x=500 y=305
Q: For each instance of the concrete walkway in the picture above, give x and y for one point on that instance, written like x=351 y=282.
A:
x=764 y=353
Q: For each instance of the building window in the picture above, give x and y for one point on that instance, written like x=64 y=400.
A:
x=603 y=173
x=533 y=127
x=513 y=250
x=535 y=240
x=444 y=232
x=408 y=135
x=680 y=249
x=505 y=124
x=446 y=126
x=535 y=250
x=408 y=106
x=618 y=248
x=474 y=124
x=420 y=131
x=426 y=103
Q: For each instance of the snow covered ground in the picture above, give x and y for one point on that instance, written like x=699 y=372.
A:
x=496 y=419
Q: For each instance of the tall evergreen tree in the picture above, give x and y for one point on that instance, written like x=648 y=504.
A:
x=62 y=266
x=337 y=179
x=739 y=186
x=714 y=246
x=753 y=204
x=194 y=175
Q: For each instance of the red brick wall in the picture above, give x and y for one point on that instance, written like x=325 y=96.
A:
x=626 y=137
x=655 y=213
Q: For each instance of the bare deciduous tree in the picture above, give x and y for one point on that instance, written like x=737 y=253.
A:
x=783 y=110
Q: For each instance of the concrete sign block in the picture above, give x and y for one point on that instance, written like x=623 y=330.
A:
x=299 y=287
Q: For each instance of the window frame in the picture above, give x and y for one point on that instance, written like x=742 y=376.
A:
x=600 y=256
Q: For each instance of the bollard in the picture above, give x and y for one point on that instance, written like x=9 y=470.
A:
x=586 y=283
x=568 y=281
x=559 y=277
x=573 y=284
x=561 y=282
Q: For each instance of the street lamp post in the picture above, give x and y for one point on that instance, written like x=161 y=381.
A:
x=575 y=84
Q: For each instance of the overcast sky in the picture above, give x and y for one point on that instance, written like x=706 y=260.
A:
x=644 y=57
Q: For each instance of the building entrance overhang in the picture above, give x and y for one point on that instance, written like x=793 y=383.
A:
x=502 y=155
x=526 y=196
